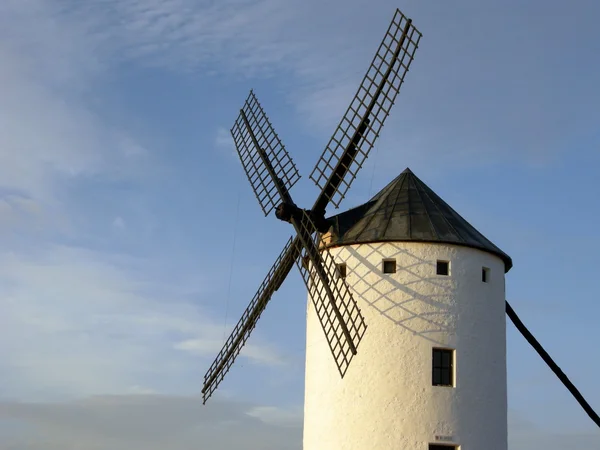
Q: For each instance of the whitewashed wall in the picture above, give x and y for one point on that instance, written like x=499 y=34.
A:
x=386 y=399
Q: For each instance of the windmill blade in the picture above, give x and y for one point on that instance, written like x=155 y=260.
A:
x=338 y=312
x=241 y=332
x=359 y=128
x=267 y=164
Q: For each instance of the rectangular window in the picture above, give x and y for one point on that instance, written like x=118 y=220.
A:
x=443 y=267
x=443 y=367
x=442 y=447
x=341 y=270
x=485 y=274
x=389 y=266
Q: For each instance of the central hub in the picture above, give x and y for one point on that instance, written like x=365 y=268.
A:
x=289 y=211
x=286 y=211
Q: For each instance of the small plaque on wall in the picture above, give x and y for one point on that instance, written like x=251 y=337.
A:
x=444 y=438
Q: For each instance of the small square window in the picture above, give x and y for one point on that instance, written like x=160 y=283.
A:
x=442 y=367
x=341 y=270
x=485 y=274
x=443 y=267
x=389 y=266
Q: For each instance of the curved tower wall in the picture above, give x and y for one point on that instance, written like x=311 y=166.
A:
x=386 y=399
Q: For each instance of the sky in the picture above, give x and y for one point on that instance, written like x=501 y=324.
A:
x=131 y=242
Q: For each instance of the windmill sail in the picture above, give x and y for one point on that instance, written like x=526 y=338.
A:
x=256 y=142
x=338 y=312
x=272 y=174
x=241 y=332
x=359 y=128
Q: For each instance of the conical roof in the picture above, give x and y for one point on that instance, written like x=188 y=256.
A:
x=408 y=210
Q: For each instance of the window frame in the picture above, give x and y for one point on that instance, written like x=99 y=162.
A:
x=389 y=260
x=485 y=274
x=450 y=370
x=341 y=270
x=437 y=267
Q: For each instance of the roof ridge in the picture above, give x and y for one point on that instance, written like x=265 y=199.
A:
x=403 y=180
x=425 y=189
x=417 y=186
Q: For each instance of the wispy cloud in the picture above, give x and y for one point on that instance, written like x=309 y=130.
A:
x=464 y=103
x=145 y=422
x=261 y=354
x=53 y=131
x=224 y=141
x=277 y=416
x=118 y=223
x=255 y=38
x=155 y=422
x=78 y=321
x=70 y=314
x=19 y=211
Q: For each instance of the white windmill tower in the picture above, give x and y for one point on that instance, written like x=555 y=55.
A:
x=431 y=370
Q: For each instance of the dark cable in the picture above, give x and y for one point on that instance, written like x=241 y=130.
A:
x=548 y=360
x=235 y=232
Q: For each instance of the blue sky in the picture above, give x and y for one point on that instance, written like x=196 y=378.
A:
x=130 y=241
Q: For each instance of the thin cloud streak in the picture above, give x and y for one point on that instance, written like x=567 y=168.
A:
x=210 y=347
x=72 y=314
x=464 y=96
x=154 y=421
x=147 y=422
x=50 y=130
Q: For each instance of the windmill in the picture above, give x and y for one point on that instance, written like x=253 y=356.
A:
x=430 y=373
x=272 y=174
